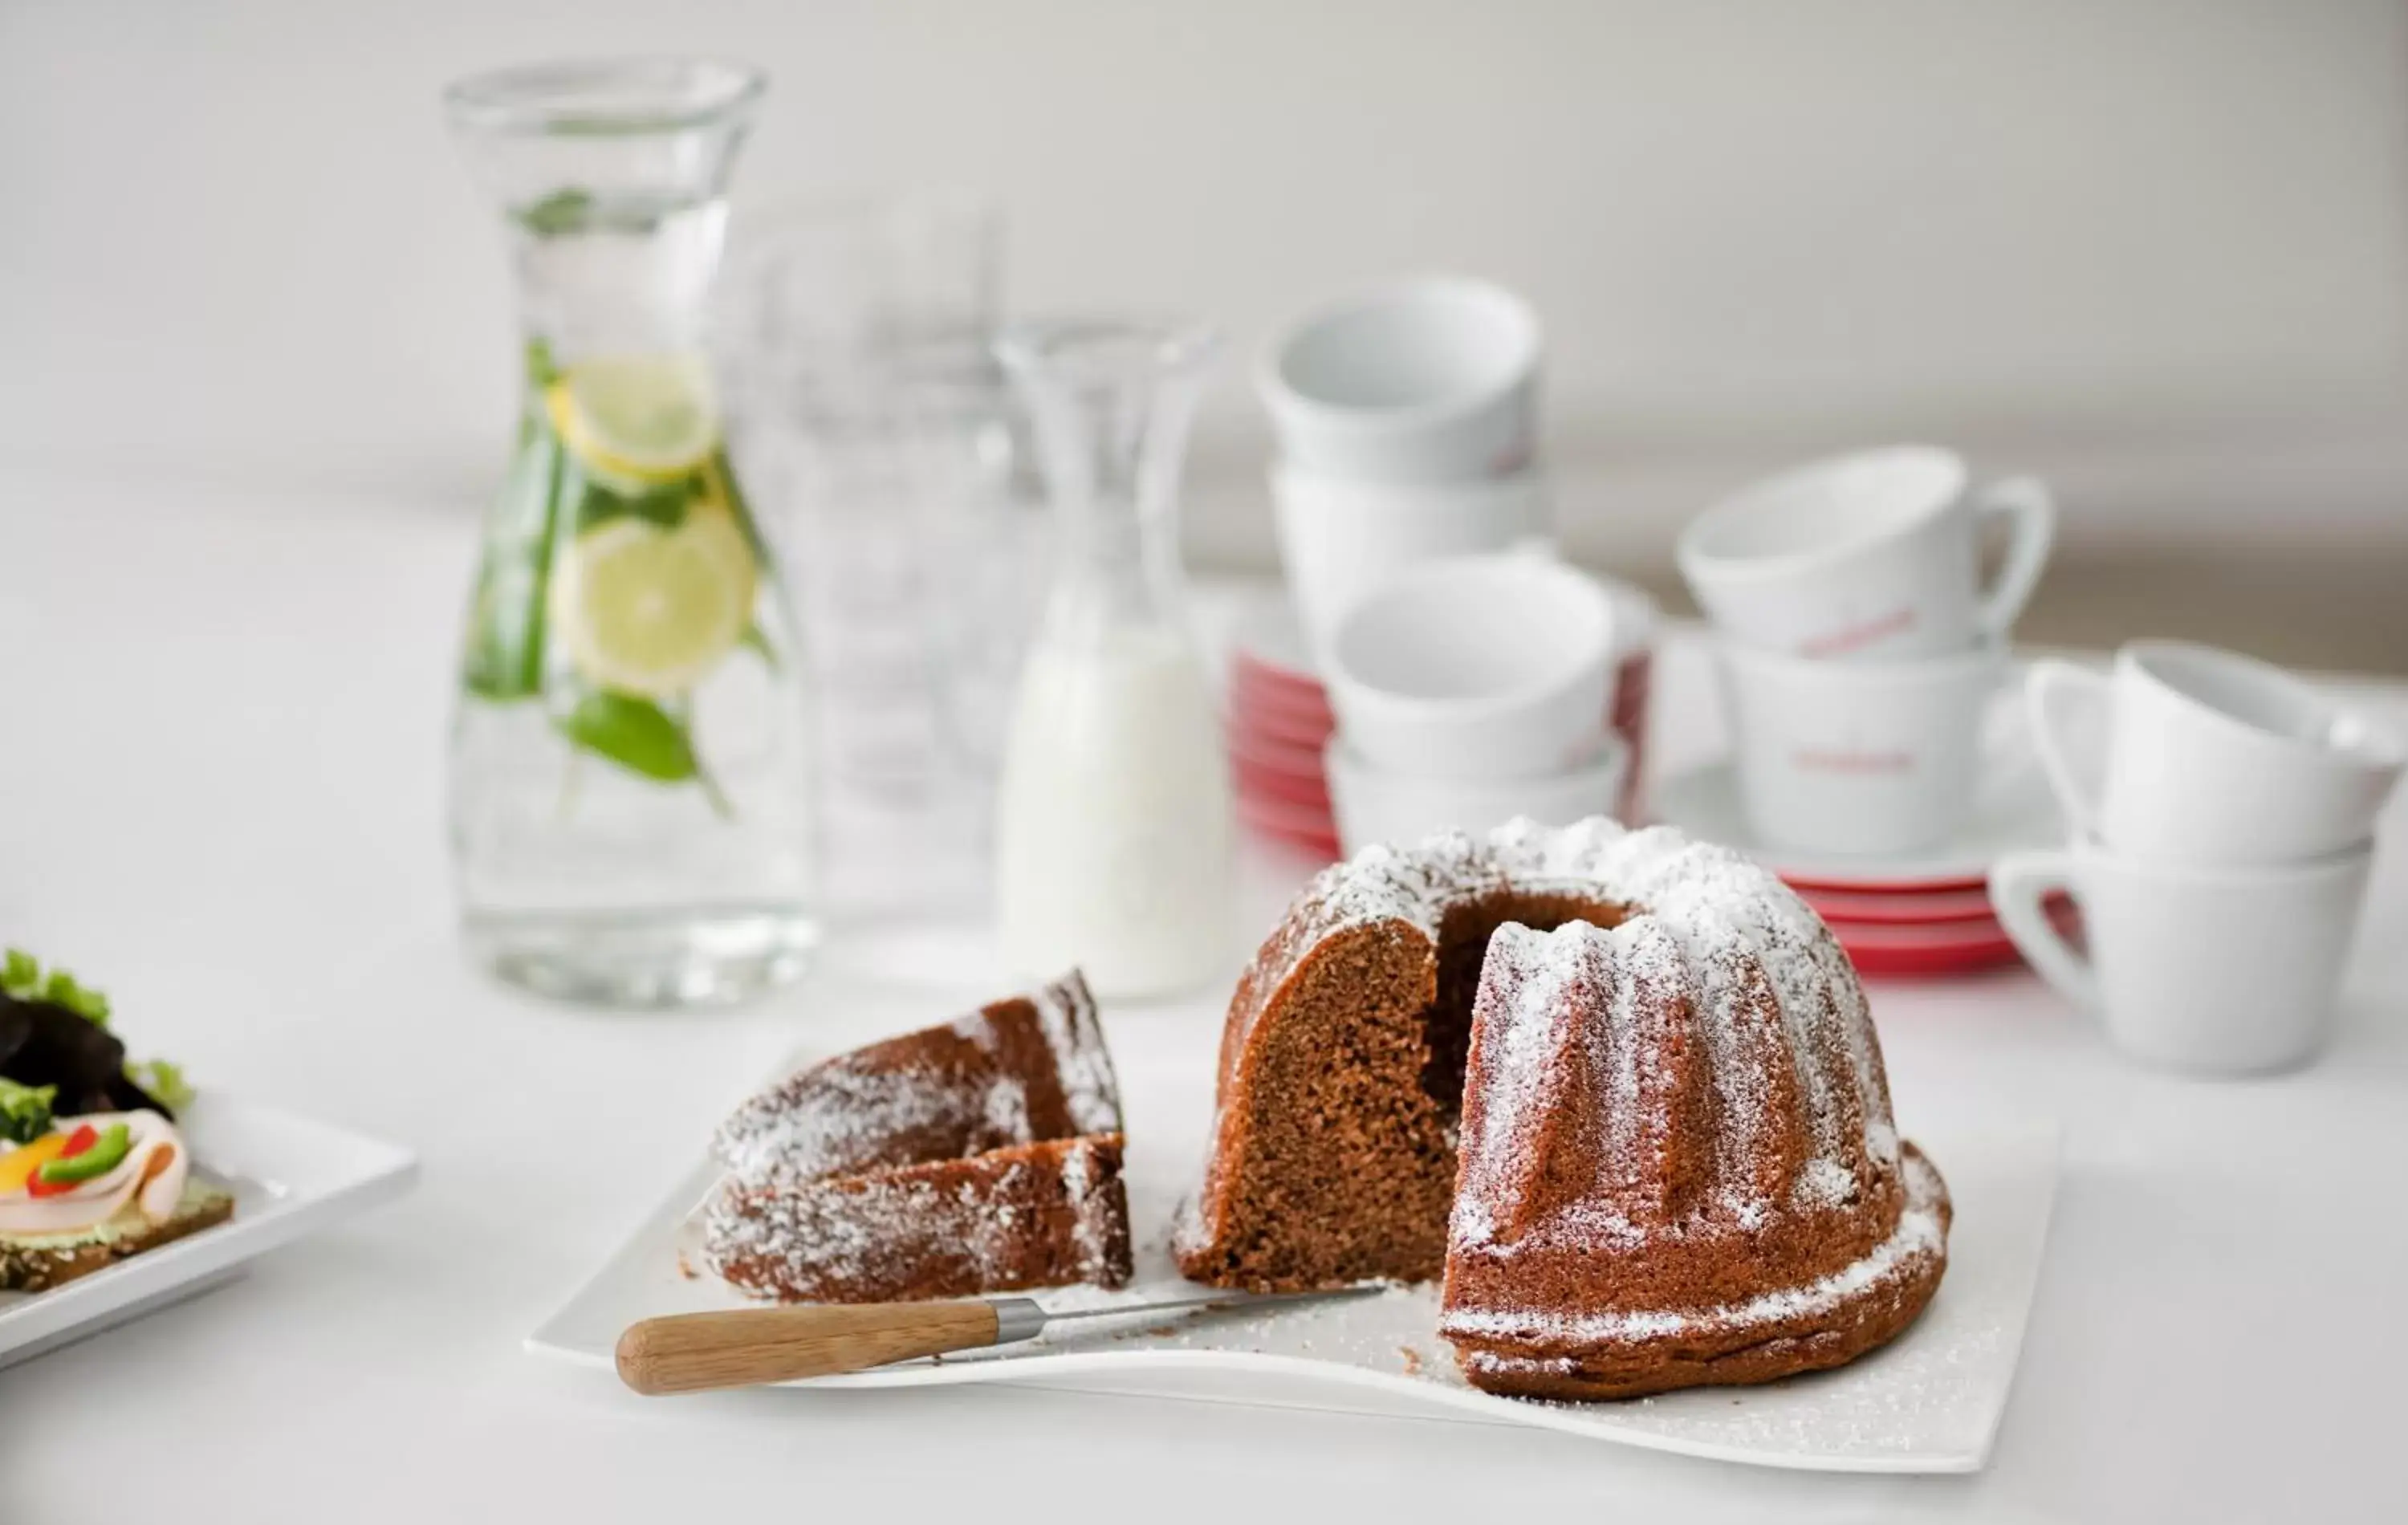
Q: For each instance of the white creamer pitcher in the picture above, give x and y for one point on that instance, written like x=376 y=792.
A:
x=1112 y=831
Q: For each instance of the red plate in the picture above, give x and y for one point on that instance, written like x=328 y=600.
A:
x=1251 y=695
x=1805 y=884
x=1316 y=851
x=1969 y=960
x=1260 y=752
x=1287 y=816
x=1312 y=830
x=1288 y=727
x=1946 y=934
x=1255 y=782
x=1248 y=666
x=1847 y=908
x=1939 y=909
x=1943 y=947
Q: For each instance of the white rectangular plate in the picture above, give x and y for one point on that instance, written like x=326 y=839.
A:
x=1929 y=1401
x=289 y=1177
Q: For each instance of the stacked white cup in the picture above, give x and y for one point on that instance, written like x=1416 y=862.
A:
x=1470 y=675
x=1859 y=649
x=2224 y=819
x=1407 y=421
x=1470 y=691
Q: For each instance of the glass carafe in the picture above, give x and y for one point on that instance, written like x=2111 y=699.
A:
x=627 y=805
x=1112 y=835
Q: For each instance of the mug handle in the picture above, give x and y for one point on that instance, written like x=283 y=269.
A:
x=2020 y=883
x=2027 y=503
x=2042 y=685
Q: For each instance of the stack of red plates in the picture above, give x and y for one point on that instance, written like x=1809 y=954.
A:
x=1278 y=721
x=1921 y=913
x=1932 y=928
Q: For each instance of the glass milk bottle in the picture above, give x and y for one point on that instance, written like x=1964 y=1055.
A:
x=1113 y=834
x=627 y=789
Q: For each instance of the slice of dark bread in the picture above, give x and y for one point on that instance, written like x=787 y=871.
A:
x=39 y=1267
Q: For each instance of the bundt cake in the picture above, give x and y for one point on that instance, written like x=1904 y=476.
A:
x=979 y=1157
x=1643 y=1201
x=1677 y=1161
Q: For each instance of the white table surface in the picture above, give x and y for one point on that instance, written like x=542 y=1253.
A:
x=221 y=724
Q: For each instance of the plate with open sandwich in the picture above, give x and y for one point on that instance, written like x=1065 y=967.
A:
x=989 y=1155
x=122 y=1191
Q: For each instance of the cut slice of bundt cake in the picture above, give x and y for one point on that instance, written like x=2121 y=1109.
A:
x=979 y=1157
x=1684 y=1097
x=1643 y=1201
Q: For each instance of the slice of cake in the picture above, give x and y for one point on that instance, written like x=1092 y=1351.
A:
x=982 y=1156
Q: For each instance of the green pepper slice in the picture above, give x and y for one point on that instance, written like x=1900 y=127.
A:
x=115 y=1143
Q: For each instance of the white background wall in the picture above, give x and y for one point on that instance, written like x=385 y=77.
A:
x=2159 y=247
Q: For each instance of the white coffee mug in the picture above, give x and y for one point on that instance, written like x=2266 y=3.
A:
x=1860 y=757
x=2221 y=971
x=1339 y=537
x=1475 y=668
x=1874 y=556
x=2209 y=757
x=1431 y=380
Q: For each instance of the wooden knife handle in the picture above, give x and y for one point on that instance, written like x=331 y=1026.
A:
x=740 y=1347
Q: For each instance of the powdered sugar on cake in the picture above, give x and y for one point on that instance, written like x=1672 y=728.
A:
x=1921 y=1234
x=773 y=1138
x=1727 y=921
x=1066 y=1013
x=853 y=1111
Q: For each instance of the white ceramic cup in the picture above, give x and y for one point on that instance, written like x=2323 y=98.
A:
x=2209 y=757
x=1429 y=380
x=1858 y=757
x=2221 y=971
x=1339 y=537
x=1381 y=805
x=1874 y=556
x=1475 y=668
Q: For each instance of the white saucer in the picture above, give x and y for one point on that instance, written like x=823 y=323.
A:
x=2014 y=811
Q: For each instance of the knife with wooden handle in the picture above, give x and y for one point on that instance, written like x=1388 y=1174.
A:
x=743 y=1348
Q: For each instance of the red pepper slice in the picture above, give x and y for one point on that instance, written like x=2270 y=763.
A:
x=83 y=1138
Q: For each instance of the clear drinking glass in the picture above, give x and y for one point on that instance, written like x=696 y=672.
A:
x=1113 y=817
x=886 y=452
x=628 y=789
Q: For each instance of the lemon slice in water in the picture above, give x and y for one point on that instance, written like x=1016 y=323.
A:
x=650 y=612
x=637 y=419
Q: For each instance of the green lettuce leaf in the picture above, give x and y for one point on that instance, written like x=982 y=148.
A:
x=24 y=1110
x=163 y=1080
x=20 y=975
